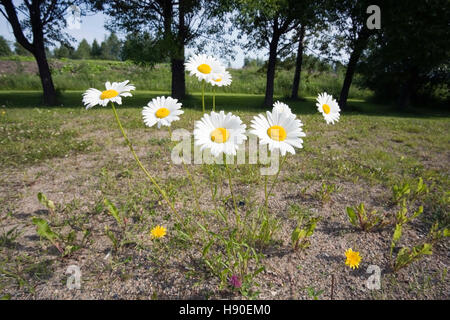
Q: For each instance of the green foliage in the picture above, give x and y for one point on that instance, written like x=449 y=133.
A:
x=64 y=51
x=112 y=210
x=325 y=192
x=366 y=220
x=402 y=216
x=405 y=192
x=141 y=48
x=5 y=50
x=96 y=50
x=400 y=193
x=44 y=231
x=406 y=255
x=66 y=244
x=233 y=258
x=83 y=51
x=49 y=204
x=399 y=70
x=314 y=293
x=111 y=48
x=21 y=51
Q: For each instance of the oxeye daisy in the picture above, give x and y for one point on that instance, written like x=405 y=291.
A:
x=281 y=107
x=158 y=232
x=203 y=66
x=353 y=258
x=328 y=107
x=280 y=131
x=162 y=111
x=219 y=132
x=113 y=93
x=220 y=79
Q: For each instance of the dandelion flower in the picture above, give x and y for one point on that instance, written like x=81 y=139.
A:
x=281 y=107
x=220 y=79
x=158 y=232
x=280 y=131
x=328 y=107
x=353 y=258
x=203 y=67
x=219 y=132
x=114 y=93
x=162 y=111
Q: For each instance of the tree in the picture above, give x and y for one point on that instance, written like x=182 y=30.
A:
x=83 y=51
x=5 y=50
x=267 y=24
x=173 y=24
x=43 y=22
x=63 y=51
x=111 y=48
x=96 y=50
x=311 y=15
x=409 y=57
x=350 y=18
x=142 y=48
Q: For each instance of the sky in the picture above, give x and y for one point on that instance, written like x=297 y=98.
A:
x=92 y=27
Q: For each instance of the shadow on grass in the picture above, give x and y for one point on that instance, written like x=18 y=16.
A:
x=227 y=102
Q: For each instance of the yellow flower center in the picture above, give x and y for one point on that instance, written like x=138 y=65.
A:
x=108 y=94
x=204 y=68
x=220 y=135
x=326 y=108
x=218 y=79
x=277 y=133
x=162 y=113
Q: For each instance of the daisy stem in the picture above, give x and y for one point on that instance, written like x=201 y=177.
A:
x=203 y=95
x=238 y=219
x=161 y=191
x=274 y=181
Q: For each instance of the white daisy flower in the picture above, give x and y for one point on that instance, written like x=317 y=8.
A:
x=219 y=132
x=220 y=79
x=162 y=111
x=328 y=107
x=279 y=130
x=281 y=107
x=203 y=66
x=113 y=93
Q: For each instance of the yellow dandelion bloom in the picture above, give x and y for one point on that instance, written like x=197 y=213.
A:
x=158 y=232
x=353 y=258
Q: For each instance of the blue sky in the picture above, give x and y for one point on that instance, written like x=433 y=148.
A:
x=92 y=27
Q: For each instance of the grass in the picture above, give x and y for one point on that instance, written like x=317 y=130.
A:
x=81 y=74
x=77 y=157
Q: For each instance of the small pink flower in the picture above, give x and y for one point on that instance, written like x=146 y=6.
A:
x=235 y=282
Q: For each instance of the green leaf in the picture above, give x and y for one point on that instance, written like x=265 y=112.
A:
x=352 y=215
x=42 y=198
x=295 y=235
x=44 y=230
x=113 y=210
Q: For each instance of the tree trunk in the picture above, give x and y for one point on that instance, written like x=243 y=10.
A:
x=270 y=78
x=360 y=45
x=408 y=89
x=298 y=64
x=178 y=80
x=46 y=77
x=37 y=47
